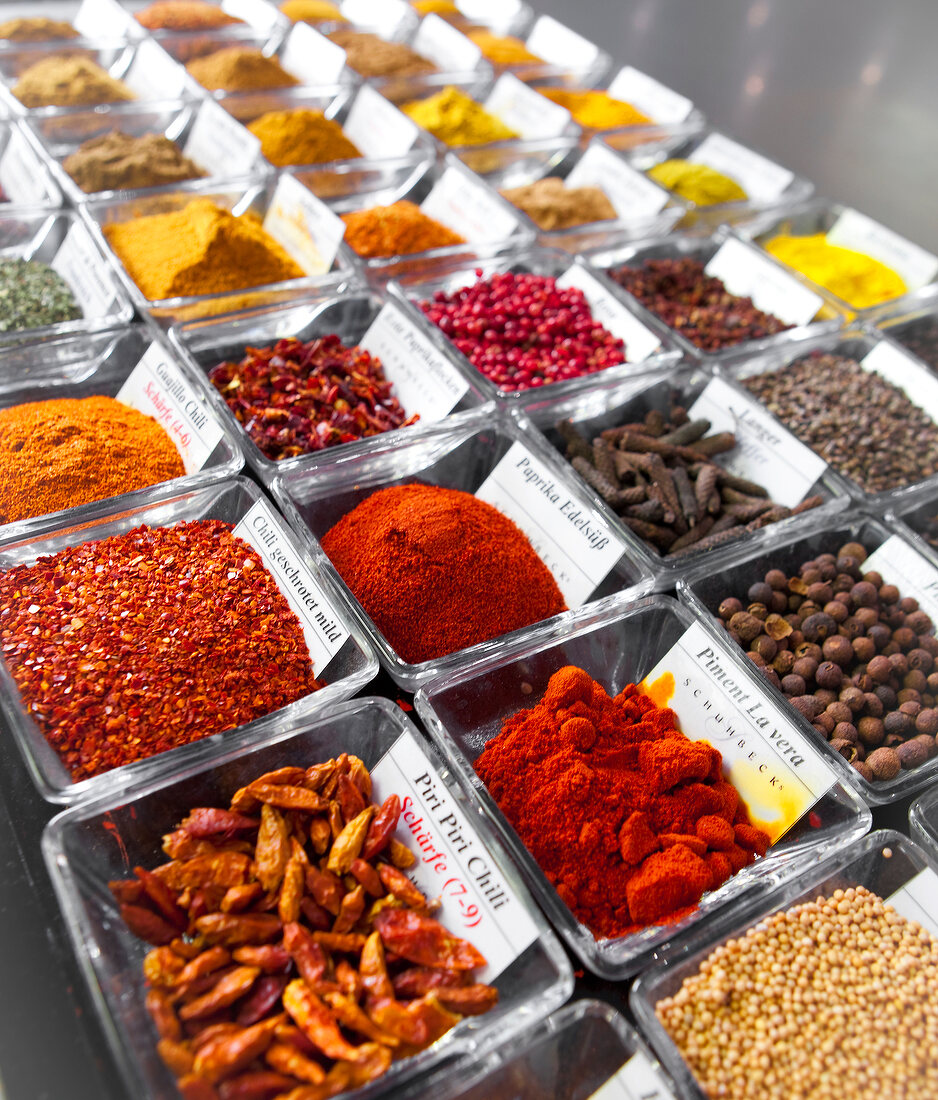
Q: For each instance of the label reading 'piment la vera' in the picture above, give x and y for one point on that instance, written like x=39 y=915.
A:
x=572 y=539
x=660 y=103
x=761 y=178
x=636 y=1080
x=902 y=565
x=744 y=271
x=464 y=204
x=777 y=773
x=640 y=341
x=918 y=900
x=551 y=41
x=631 y=192
x=322 y=630
x=81 y=266
x=453 y=864
x=860 y=233
x=377 y=128
x=304 y=225
x=524 y=110
x=219 y=143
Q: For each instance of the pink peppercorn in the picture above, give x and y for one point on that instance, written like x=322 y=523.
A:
x=523 y=331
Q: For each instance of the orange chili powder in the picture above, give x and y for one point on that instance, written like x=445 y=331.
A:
x=396 y=230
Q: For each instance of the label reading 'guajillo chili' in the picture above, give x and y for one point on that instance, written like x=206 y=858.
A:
x=452 y=862
x=636 y=1080
x=324 y=633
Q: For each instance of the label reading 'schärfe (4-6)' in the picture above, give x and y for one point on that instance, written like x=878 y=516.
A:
x=636 y=1080
x=767 y=759
x=902 y=565
x=762 y=179
x=453 y=864
x=82 y=267
x=324 y=633
x=858 y=232
x=572 y=539
x=640 y=341
x=765 y=452
x=918 y=900
x=157 y=388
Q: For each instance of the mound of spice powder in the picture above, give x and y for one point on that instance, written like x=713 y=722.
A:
x=301 y=136
x=502 y=49
x=32 y=295
x=38 y=29
x=312 y=11
x=438 y=570
x=551 y=205
x=595 y=110
x=64 y=81
x=184 y=15
x=239 y=69
x=371 y=56
x=140 y=643
x=523 y=331
x=456 y=119
x=294 y=398
x=396 y=230
x=630 y=820
x=698 y=183
x=118 y=161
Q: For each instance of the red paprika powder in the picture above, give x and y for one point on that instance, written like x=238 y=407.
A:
x=629 y=819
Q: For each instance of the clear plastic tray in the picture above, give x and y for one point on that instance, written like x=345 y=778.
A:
x=32 y=234
x=923 y=821
x=98 y=364
x=703 y=591
x=87 y=846
x=348 y=671
x=203 y=344
x=617 y=643
x=414 y=287
x=608 y=405
x=456 y=455
x=860 y=863
x=24 y=175
x=901 y=317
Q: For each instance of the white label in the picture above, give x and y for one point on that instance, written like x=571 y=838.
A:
x=153 y=74
x=896 y=366
x=918 y=900
x=155 y=387
x=105 y=19
x=219 y=143
x=640 y=341
x=449 y=49
x=572 y=539
x=903 y=566
x=424 y=381
x=81 y=266
x=765 y=452
x=304 y=225
x=777 y=773
x=526 y=111
x=636 y=1080
x=21 y=175
x=322 y=630
x=311 y=57
x=748 y=274
x=259 y=14
x=631 y=192
x=557 y=44
x=659 y=102
x=384 y=17
x=464 y=204
x=855 y=230
x=497 y=15
x=761 y=178
x=453 y=864
x=377 y=127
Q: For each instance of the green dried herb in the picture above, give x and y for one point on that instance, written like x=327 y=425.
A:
x=33 y=295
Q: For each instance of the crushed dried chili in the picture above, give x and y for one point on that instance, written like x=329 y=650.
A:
x=294 y=398
x=136 y=644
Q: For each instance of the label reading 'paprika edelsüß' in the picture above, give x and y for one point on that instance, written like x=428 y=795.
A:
x=902 y=565
x=640 y=341
x=768 y=760
x=636 y=1080
x=324 y=633
x=452 y=862
x=918 y=900
x=572 y=539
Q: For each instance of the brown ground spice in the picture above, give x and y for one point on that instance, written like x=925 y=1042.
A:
x=238 y=69
x=372 y=56
x=184 y=15
x=119 y=161
x=36 y=30
x=64 y=81
x=551 y=205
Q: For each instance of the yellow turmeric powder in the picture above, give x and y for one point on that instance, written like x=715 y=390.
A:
x=698 y=183
x=301 y=136
x=455 y=119
x=503 y=49
x=596 y=110
x=312 y=11
x=436 y=7
x=200 y=249
x=853 y=276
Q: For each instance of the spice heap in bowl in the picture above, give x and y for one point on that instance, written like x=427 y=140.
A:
x=69 y=81
x=33 y=295
x=239 y=69
x=697 y=183
x=372 y=56
x=595 y=110
x=456 y=119
x=551 y=205
x=301 y=136
x=184 y=15
x=116 y=161
x=397 y=230
x=37 y=29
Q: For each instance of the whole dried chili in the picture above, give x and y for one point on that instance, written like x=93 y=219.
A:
x=295 y=398
x=142 y=642
x=630 y=820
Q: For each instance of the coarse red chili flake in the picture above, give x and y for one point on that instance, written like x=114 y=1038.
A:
x=294 y=398
x=136 y=644
x=523 y=331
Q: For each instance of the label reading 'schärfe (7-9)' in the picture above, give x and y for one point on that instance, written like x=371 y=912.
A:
x=157 y=388
x=902 y=565
x=636 y=1080
x=572 y=539
x=453 y=864
x=324 y=633
x=762 y=179
x=640 y=341
x=767 y=759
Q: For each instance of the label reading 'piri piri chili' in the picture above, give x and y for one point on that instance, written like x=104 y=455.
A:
x=660 y=103
x=902 y=565
x=452 y=862
x=768 y=760
x=325 y=635
x=918 y=899
x=636 y=1080
x=640 y=341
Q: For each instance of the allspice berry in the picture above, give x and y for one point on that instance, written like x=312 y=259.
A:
x=884 y=763
x=926 y=721
x=911 y=753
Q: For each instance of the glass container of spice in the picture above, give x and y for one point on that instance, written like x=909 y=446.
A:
x=484 y=453
x=266 y=31
x=342 y=658
x=887 y=865
x=923 y=821
x=718 y=699
x=912 y=321
x=25 y=176
x=526 y=963
x=239 y=44
x=554 y=52
x=513 y=17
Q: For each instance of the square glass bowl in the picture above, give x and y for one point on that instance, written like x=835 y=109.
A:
x=229 y=501
x=204 y=344
x=703 y=591
x=617 y=644
x=25 y=176
x=87 y=846
x=186 y=46
x=456 y=455
x=622 y=317
x=912 y=321
x=59 y=237
x=98 y=364
x=884 y=862
x=609 y=405
x=923 y=821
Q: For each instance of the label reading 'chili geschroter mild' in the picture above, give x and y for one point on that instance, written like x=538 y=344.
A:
x=81 y=266
x=572 y=539
x=769 y=761
x=918 y=900
x=902 y=565
x=322 y=630
x=640 y=341
x=452 y=862
x=636 y=1080
x=747 y=273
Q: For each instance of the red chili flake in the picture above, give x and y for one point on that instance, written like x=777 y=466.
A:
x=814 y=820
x=523 y=331
x=135 y=644
x=294 y=398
